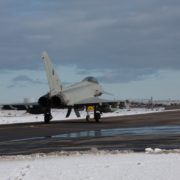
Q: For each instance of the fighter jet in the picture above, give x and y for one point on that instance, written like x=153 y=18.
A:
x=79 y=95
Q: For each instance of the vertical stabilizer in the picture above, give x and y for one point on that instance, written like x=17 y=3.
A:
x=54 y=82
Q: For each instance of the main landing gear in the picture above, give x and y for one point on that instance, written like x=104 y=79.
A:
x=97 y=114
x=47 y=116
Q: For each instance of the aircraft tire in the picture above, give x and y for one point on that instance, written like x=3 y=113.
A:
x=88 y=118
x=97 y=117
x=47 y=118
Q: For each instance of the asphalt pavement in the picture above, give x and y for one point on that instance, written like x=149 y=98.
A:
x=135 y=132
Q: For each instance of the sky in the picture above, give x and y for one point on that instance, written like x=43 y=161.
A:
x=132 y=47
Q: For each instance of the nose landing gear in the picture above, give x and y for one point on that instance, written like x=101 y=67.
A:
x=97 y=114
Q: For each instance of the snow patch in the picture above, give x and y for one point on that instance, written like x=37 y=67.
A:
x=14 y=116
x=98 y=165
x=161 y=151
x=20 y=173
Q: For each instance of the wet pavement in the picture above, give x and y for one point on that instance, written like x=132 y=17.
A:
x=141 y=131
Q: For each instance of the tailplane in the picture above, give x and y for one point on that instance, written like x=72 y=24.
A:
x=54 y=82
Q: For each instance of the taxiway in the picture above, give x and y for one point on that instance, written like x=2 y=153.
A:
x=135 y=132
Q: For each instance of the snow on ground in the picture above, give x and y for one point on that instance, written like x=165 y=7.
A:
x=92 y=166
x=13 y=116
x=155 y=164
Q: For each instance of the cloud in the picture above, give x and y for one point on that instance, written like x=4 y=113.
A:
x=121 y=75
x=23 y=78
x=137 y=38
x=15 y=85
x=23 y=81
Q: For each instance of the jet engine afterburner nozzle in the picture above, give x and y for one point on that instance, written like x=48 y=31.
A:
x=44 y=101
x=56 y=101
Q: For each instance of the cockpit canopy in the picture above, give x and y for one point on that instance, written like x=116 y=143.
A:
x=91 y=79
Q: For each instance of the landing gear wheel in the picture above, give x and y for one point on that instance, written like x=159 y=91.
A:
x=87 y=118
x=97 y=116
x=47 y=117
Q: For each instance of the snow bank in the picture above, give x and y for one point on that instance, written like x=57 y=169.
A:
x=13 y=116
x=93 y=166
